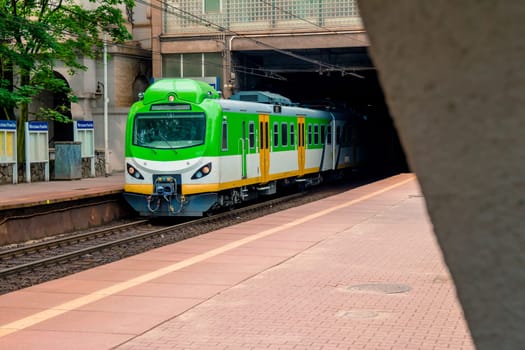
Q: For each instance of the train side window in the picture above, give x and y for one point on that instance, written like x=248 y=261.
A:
x=316 y=134
x=329 y=135
x=292 y=134
x=310 y=134
x=275 y=134
x=300 y=135
x=251 y=134
x=261 y=135
x=337 y=135
x=284 y=134
x=323 y=133
x=266 y=135
x=224 y=143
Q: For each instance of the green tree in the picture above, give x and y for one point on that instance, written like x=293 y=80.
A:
x=36 y=34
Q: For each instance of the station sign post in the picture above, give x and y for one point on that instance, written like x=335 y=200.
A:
x=36 y=147
x=8 y=153
x=84 y=132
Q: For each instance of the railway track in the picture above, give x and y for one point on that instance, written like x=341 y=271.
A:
x=36 y=263
x=63 y=249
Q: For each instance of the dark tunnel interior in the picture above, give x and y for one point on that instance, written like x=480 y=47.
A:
x=335 y=85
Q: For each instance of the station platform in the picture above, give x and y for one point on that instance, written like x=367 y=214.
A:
x=358 y=270
x=25 y=194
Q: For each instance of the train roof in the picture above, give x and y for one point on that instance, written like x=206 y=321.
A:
x=194 y=91
x=262 y=97
x=187 y=90
x=264 y=108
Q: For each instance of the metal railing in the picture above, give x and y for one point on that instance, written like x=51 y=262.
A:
x=190 y=16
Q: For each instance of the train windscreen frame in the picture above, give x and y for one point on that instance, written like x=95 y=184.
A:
x=169 y=130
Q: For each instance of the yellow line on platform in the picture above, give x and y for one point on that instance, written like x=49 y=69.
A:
x=119 y=287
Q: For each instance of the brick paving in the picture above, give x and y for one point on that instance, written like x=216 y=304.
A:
x=360 y=270
x=376 y=282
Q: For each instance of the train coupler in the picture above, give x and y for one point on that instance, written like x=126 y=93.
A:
x=165 y=186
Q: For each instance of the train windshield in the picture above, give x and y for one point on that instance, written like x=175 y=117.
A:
x=169 y=130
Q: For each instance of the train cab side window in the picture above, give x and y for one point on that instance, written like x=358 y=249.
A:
x=284 y=134
x=323 y=133
x=310 y=134
x=329 y=135
x=337 y=135
x=275 y=134
x=224 y=143
x=316 y=134
x=251 y=134
x=292 y=134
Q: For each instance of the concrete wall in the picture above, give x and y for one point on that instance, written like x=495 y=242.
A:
x=453 y=77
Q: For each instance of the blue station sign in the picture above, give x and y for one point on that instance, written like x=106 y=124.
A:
x=7 y=125
x=85 y=124
x=37 y=126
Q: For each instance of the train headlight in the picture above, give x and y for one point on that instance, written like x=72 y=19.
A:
x=203 y=171
x=134 y=172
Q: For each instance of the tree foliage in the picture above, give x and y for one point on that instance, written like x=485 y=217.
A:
x=36 y=34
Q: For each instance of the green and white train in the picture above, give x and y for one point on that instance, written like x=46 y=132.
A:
x=188 y=152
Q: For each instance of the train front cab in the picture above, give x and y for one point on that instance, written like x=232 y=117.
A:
x=159 y=166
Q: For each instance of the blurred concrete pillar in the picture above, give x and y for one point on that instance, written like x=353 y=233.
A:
x=454 y=79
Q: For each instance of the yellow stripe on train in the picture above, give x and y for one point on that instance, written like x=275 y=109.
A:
x=188 y=189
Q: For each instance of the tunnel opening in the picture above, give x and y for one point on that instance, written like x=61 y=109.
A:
x=348 y=80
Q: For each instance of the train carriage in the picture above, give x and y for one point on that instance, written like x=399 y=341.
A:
x=189 y=152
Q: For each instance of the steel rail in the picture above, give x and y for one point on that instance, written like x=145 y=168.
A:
x=62 y=241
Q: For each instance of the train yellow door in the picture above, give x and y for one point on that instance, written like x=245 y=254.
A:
x=300 y=145
x=264 y=151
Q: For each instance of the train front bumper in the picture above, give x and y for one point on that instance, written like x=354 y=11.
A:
x=156 y=205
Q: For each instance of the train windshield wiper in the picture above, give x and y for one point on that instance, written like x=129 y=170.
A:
x=167 y=142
